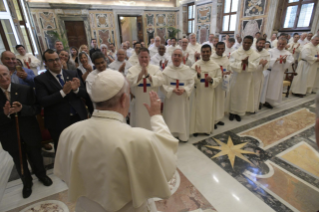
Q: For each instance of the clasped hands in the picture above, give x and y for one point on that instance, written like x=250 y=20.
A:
x=263 y=62
x=282 y=58
x=16 y=108
x=71 y=85
x=244 y=61
x=199 y=71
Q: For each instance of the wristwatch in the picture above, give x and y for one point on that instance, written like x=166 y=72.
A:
x=211 y=81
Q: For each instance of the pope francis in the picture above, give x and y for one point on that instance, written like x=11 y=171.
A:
x=109 y=165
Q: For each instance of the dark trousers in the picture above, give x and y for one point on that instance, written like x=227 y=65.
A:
x=33 y=155
x=55 y=133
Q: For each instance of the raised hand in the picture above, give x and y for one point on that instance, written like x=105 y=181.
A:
x=16 y=106
x=155 y=104
x=122 y=68
x=75 y=83
x=22 y=74
x=7 y=108
x=198 y=70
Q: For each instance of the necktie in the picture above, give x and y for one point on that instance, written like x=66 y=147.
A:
x=7 y=93
x=60 y=79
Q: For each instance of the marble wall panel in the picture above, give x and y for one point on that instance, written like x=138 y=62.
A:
x=49 y=39
x=101 y=20
x=160 y=20
x=161 y=32
x=203 y=22
x=254 y=8
x=149 y=19
x=47 y=20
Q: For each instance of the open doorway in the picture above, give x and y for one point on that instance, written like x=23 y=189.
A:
x=131 y=28
x=75 y=33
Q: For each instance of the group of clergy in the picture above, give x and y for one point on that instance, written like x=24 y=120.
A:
x=199 y=83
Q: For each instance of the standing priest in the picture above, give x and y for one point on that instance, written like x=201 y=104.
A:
x=243 y=62
x=178 y=84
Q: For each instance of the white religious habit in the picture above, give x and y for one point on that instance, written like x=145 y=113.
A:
x=258 y=81
x=153 y=51
x=187 y=62
x=35 y=62
x=307 y=68
x=275 y=82
x=274 y=43
x=176 y=107
x=133 y=59
x=241 y=85
x=171 y=49
x=191 y=49
x=205 y=99
x=220 y=92
x=155 y=60
x=115 y=65
x=140 y=89
x=295 y=49
x=228 y=51
x=303 y=42
x=237 y=45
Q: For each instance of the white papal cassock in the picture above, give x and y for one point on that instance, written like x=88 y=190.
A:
x=114 y=164
x=176 y=107
x=205 y=100
x=139 y=115
x=307 y=69
x=258 y=82
x=220 y=93
x=115 y=65
x=133 y=59
x=275 y=82
x=241 y=85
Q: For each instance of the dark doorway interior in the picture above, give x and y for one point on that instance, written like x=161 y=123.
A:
x=75 y=33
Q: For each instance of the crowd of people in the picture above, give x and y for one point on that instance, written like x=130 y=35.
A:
x=197 y=84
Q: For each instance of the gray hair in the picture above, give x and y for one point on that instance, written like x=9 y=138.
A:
x=193 y=34
x=114 y=101
x=315 y=36
x=157 y=37
x=283 y=39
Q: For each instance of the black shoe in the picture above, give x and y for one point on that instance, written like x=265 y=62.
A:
x=221 y=123
x=183 y=141
x=231 y=116
x=46 y=180
x=268 y=105
x=195 y=134
x=215 y=126
x=27 y=190
x=237 y=117
x=260 y=106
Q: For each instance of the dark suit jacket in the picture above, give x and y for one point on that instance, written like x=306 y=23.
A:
x=57 y=108
x=29 y=127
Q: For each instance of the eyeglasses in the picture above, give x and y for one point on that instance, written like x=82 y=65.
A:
x=55 y=60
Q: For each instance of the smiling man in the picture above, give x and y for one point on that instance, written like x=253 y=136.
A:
x=28 y=59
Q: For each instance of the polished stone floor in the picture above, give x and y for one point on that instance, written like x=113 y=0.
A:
x=267 y=162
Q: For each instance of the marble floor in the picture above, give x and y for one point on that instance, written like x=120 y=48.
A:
x=267 y=162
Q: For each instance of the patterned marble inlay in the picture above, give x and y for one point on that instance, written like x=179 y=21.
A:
x=290 y=189
x=47 y=20
x=186 y=198
x=304 y=157
x=47 y=206
x=101 y=20
x=281 y=128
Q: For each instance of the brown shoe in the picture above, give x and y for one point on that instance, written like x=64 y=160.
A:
x=47 y=146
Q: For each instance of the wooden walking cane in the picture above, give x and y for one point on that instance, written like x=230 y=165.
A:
x=19 y=142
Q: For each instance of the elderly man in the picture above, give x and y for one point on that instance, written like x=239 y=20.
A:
x=259 y=77
x=125 y=48
x=303 y=41
x=178 y=84
x=185 y=52
x=28 y=59
x=152 y=43
x=126 y=161
x=243 y=62
x=168 y=43
x=171 y=48
x=58 y=46
x=193 y=49
x=154 y=49
x=273 y=40
x=60 y=93
x=280 y=61
x=161 y=59
x=21 y=76
x=295 y=48
x=238 y=44
x=112 y=51
x=229 y=47
x=305 y=81
x=120 y=64
x=142 y=78
x=134 y=58
x=309 y=36
x=257 y=36
x=221 y=90
x=20 y=100
x=210 y=40
x=208 y=78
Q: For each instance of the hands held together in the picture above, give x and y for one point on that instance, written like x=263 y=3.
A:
x=71 y=85
x=8 y=110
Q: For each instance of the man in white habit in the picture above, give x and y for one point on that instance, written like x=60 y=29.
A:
x=303 y=41
x=309 y=36
x=142 y=80
x=185 y=53
x=172 y=47
x=259 y=77
x=208 y=78
x=295 y=48
x=243 y=62
x=110 y=166
x=152 y=43
x=230 y=47
x=257 y=36
x=178 y=84
x=30 y=61
x=210 y=40
x=307 y=68
x=221 y=92
x=273 y=41
x=280 y=61
x=161 y=58
x=193 y=49
x=154 y=48
x=120 y=64
x=134 y=57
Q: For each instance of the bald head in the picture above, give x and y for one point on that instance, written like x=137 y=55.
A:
x=177 y=57
x=157 y=41
x=121 y=55
x=184 y=43
x=9 y=60
x=5 y=78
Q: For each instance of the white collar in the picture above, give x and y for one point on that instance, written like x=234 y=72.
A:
x=8 y=89
x=54 y=74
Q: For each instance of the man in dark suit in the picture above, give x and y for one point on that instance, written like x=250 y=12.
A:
x=22 y=103
x=59 y=92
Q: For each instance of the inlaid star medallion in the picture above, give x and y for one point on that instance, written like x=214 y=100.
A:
x=231 y=151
